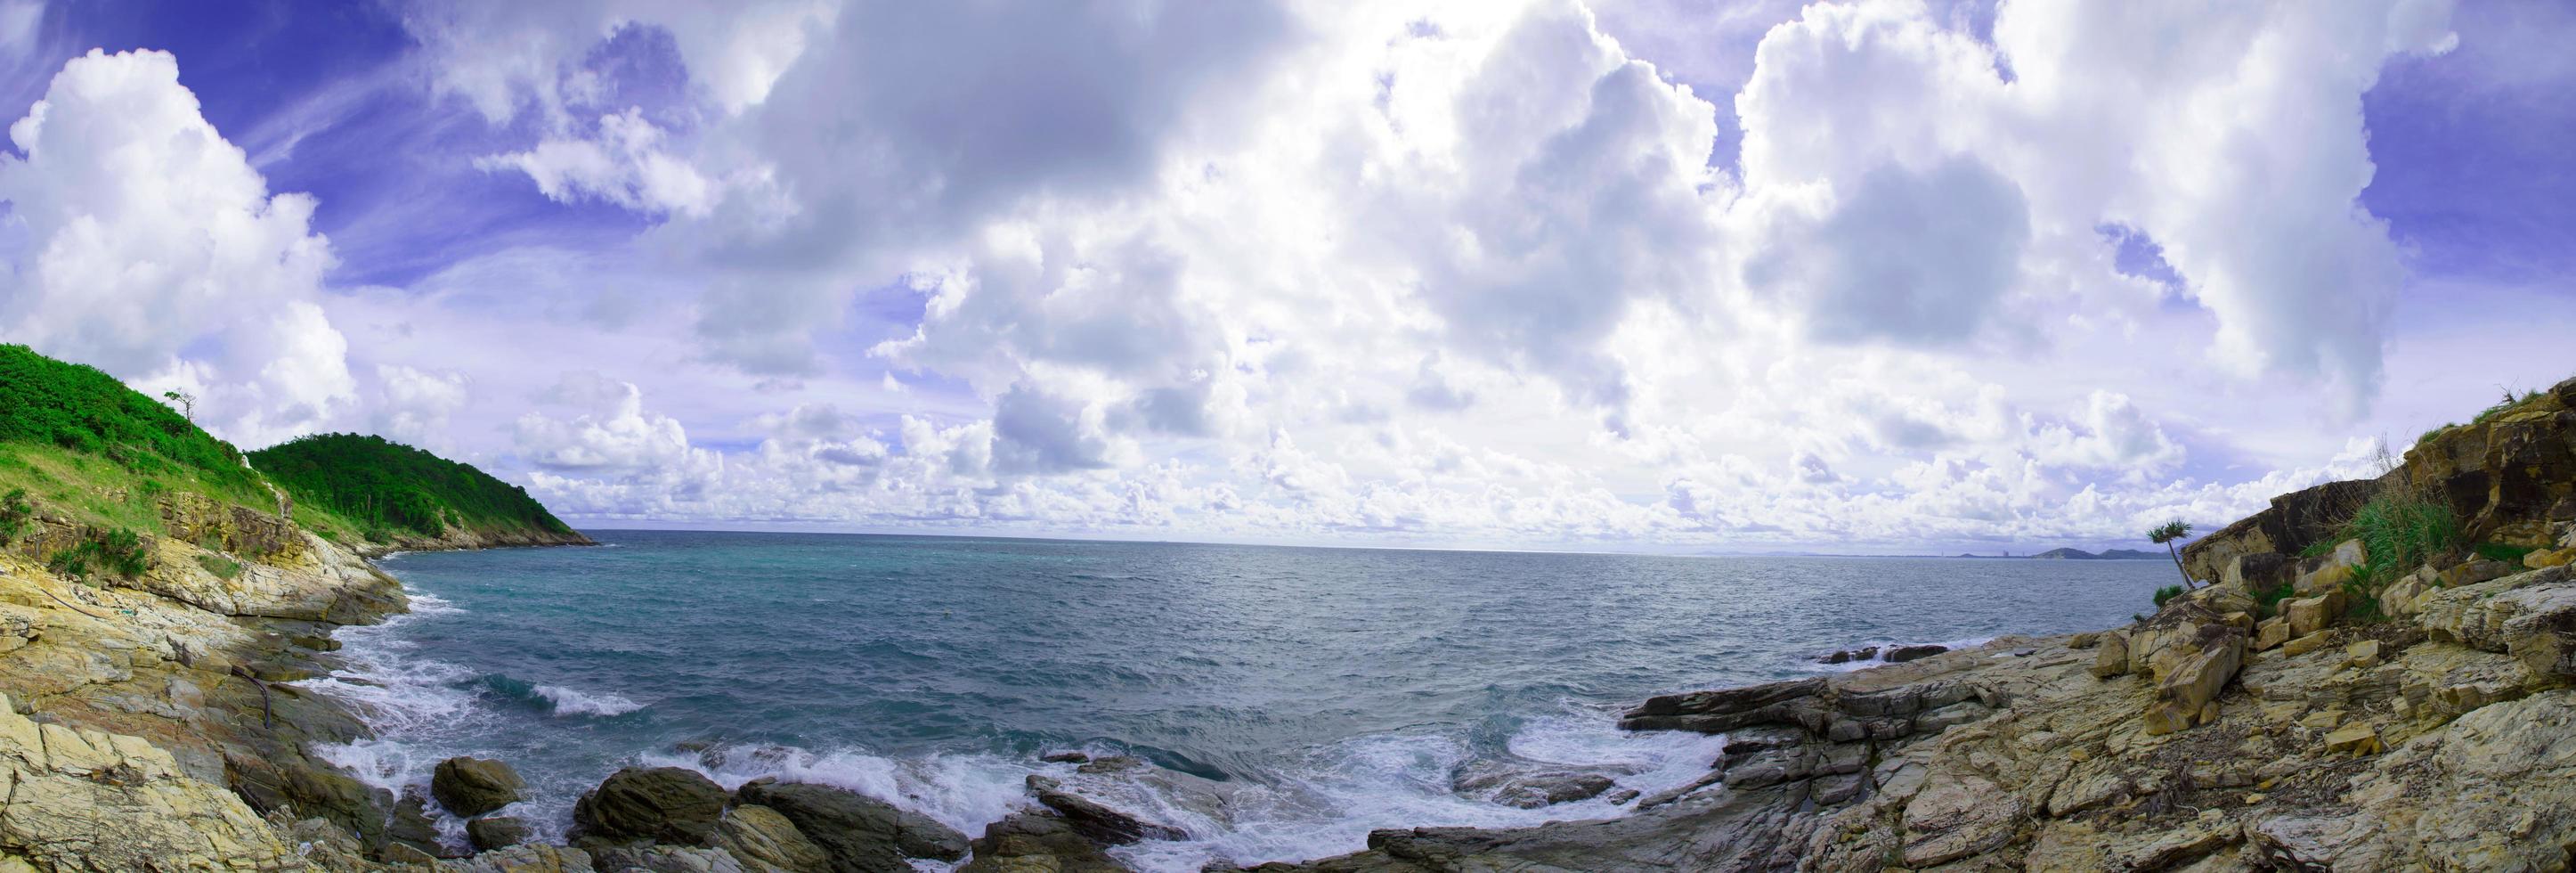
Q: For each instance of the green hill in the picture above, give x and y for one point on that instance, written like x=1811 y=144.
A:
x=392 y=490
x=51 y=410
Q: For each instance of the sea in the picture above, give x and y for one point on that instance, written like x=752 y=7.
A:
x=1340 y=689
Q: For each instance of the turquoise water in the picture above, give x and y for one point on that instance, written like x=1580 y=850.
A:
x=1341 y=687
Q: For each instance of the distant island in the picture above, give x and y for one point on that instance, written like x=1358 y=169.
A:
x=2079 y=555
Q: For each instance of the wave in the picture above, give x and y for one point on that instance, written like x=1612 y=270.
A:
x=569 y=701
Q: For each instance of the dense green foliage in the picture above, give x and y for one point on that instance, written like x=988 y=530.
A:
x=112 y=550
x=2503 y=552
x=2166 y=593
x=2267 y=603
x=390 y=487
x=15 y=512
x=80 y=409
x=2399 y=531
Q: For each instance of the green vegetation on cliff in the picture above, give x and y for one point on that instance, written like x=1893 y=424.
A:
x=83 y=412
x=386 y=486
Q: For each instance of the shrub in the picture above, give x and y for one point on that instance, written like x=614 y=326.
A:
x=113 y=550
x=2401 y=530
x=15 y=512
x=2167 y=593
x=222 y=567
x=2502 y=552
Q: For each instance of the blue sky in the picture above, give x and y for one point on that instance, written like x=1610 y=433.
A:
x=1639 y=274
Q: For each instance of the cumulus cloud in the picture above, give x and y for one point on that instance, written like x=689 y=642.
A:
x=1477 y=267
x=156 y=252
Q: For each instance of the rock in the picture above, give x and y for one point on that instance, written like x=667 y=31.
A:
x=412 y=826
x=2271 y=633
x=1028 y=842
x=2308 y=615
x=2083 y=640
x=470 y=787
x=2356 y=740
x=2111 y=655
x=1902 y=654
x=1067 y=758
x=1529 y=789
x=523 y=859
x=1846 y=656
x=1098 y=821
x=2288 y=526
x=659 y=858
x=2363 y=654
x=2306 y=644
x=94 y=801
x=860 y=834
x=2259 y=571
x=1957 y=818
x=761 y=836
x=2542 y=559
x=662 y=804
x=496 y=832
x=2187 y=690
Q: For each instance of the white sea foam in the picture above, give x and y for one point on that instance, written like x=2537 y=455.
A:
x=568 y=701
x=963 y=791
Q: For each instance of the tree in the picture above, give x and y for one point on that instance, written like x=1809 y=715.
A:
x=187 y=403
x=2169 y=533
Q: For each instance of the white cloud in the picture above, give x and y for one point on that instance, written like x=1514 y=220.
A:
x=157 y=253
x=1476 y=270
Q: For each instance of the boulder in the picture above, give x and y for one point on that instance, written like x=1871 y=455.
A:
x=2354 y=739
x=496 y=832
x=860 y=834
x=761 y=836
x=2271 y=633
x=1902 y=654
x=523 y=859
x=662 y=804
x=2308 y=615
x=2363 y=654
x=1066 y=758
x=2293 y=522
x=1846 y=656
x=1099 y=821
x=2542 y=559
x=661 y=858
x=2187 y=692
x=1527 y=788
x=2258 y=571
x=470 y=787
x=2111 y=655
x=93 y=801
x=1034 y=842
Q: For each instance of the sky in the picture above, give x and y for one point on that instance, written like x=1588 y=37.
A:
x=1651 y=275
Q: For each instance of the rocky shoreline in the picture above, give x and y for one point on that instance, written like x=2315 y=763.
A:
x=2308 y=709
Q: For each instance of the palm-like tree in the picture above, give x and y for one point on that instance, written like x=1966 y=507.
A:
x=2169 y=533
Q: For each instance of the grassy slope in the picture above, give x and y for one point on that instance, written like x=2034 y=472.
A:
x=389 y=487
x=86 y=446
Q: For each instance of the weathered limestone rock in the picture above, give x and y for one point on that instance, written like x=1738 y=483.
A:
x=2363 y=654
x=661 y=858
x=2303 y=645
x=2111 y=655
x=2270 y=634
x=2292 y=522
x=662 y=804
x=760 y=836
x=860 y=834
x=523 y=859
x=93 y=801
x=470 y=787
x=1037 y=843
x=2354 y=739
x=497 y=832
x=2308 y=615
x=2531 y=616
x=1957 y=818
x=2189 y=688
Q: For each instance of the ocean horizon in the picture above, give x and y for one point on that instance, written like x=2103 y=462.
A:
x=1304 y=695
